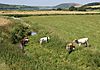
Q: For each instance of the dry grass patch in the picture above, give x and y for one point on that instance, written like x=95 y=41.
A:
x=97 y=6
x=45 y=12
x=4 y=21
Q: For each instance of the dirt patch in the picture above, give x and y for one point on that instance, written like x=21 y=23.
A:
x=4 y=21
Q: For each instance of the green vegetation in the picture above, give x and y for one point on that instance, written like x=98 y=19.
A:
x=66 y=5
x=18 y=32
x=72 y=8
x=53 y=55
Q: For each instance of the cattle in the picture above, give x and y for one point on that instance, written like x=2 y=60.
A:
x=82 y=41
x=44 y=39
x=70 y=47
x=23 y=43
x=25 y=40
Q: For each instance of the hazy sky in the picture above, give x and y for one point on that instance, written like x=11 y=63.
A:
x=44 y=2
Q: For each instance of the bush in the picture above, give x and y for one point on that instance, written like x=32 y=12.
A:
x=72 y=8
x=18 y=32
x=81 y=9
x=59 y=9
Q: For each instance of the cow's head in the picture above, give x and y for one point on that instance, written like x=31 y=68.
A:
x=75 y=41
x=48 y=38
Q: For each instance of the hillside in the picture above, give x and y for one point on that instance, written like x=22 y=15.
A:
x=23 y=7
x=17 y=7
x=62 y=6
x=66 y=5
x=92 y=5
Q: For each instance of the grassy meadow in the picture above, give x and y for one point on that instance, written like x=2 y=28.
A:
x=53 y=55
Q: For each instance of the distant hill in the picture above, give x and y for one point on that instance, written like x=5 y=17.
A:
x=92 y=6
x=66 y=5
x=62 y=6
x=17 y=7
x=24 y=7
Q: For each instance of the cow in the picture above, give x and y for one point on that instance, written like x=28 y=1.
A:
x=81 y=41
x=44 y=39
x=70 y=47
x=23 y=43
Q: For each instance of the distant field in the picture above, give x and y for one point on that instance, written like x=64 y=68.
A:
x=44 y=12
x=97 y=6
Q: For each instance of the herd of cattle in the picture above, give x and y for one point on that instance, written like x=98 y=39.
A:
x=70 y=46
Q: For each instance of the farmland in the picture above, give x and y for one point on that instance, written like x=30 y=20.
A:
x=53 y=55
x=46 y=12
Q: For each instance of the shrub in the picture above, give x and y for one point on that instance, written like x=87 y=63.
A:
x=72 y=8
x=81 y=9
x=59 y=8
x=18 y=32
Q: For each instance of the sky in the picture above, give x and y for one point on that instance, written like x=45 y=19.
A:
x=45 y=2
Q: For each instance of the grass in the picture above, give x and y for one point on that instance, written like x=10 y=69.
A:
x=53 y=55
x=68 y=28
x=4 y=21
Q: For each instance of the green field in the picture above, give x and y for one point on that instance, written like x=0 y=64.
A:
x=53 y=55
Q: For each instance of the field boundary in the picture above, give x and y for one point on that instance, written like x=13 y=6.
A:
x=44 y=13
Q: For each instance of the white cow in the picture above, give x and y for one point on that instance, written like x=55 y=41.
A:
x=81 y=41
x=44 y=39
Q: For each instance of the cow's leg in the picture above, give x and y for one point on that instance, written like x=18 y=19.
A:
x=86 y=44
x=40 y=42
x=70 y=51
x=79 y=44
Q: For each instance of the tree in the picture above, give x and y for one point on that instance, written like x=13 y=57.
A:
x=72 y=8
x=59 y=9
x=81 y=9
x=18 y=32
